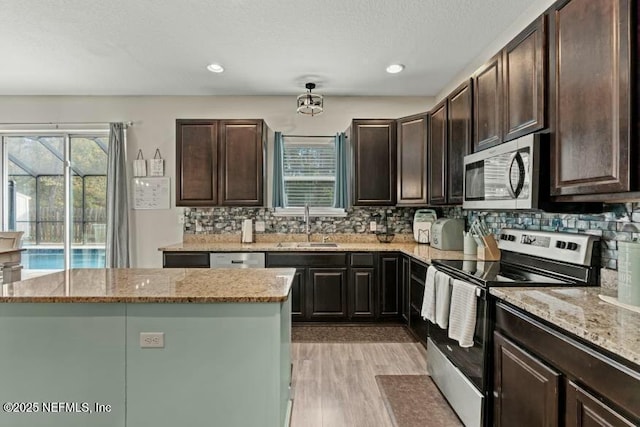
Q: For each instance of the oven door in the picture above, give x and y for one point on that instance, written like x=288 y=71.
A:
x=470 y=361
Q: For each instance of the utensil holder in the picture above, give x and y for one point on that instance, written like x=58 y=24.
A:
x=490 y=251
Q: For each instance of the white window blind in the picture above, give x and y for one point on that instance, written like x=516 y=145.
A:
x=309 y=172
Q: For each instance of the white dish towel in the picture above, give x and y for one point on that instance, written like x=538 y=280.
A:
x=443 y=298
x=428 y=311
x=462 y=316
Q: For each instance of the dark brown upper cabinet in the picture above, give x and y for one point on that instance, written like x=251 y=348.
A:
x=220 y=162
x=487 y=89
x=438 y=154
x=412 y=160
x=197 y=162
x=524 y=81
x=459 y=138
x=241 y=163
x=591 y=86
x=374 y=155
x=510 y=89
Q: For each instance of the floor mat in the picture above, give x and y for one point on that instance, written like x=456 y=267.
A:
x=395 y=333
x=414 y=401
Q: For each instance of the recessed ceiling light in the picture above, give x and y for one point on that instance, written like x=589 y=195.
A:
x=395 y=68
x=215 y=68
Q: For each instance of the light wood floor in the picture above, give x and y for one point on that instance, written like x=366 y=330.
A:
x=334 y=384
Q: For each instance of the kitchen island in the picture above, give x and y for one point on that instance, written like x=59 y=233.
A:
x=72 y=352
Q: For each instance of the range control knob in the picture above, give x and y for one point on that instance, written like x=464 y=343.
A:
x=512 y=238
x=560 y=244
x=572 y=246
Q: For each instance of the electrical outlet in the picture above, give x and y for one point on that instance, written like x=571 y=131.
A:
x=260 y=226
x=181 y=219
x=151 y=339
x=372 y=226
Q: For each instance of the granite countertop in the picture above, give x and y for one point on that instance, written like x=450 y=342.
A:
x=581 y=312
x=422 y=252
x=153 y=285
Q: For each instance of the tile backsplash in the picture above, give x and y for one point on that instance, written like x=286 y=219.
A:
x=229 y=220
x=620 y=222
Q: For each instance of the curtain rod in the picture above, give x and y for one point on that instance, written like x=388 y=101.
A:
x=308 y=136
x=127 y=124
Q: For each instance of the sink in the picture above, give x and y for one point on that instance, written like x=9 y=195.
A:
x=317 y=245
x=307 y=245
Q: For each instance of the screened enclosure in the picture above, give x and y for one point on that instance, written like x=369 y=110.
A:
x=35 y=202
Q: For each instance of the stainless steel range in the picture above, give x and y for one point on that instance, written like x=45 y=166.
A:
x=528 y=258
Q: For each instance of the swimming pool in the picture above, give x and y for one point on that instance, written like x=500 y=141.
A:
x=53 y=259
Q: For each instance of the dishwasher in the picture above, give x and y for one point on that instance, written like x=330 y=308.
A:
x=237 y=260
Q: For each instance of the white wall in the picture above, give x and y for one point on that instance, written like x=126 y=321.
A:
x=535 y=9
x=154 y=127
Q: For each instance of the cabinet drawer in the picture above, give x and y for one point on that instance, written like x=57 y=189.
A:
x=365 y=259
x=419 y=270
x=287 y=259
x=185 y=259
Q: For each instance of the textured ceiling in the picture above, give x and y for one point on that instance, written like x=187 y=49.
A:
x=268 y=47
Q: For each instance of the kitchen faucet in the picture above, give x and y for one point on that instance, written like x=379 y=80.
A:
x=306 y=222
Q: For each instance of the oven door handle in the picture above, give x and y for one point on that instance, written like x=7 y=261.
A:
x=515 y=192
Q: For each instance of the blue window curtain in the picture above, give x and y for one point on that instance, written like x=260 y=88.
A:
x=117 y=244
x=341 y=195
x=278 y=181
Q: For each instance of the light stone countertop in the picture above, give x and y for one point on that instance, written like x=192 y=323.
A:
x=153 y=285
x=581 y=312
x=421 y=252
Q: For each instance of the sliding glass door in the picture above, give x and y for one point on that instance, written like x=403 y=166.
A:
x=60 y=209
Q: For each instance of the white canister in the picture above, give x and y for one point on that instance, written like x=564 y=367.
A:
x=470 y=247
x=629 y=273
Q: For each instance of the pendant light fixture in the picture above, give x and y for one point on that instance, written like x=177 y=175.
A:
x=310 y=103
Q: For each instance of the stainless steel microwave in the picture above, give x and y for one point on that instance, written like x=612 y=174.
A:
x=503 y=177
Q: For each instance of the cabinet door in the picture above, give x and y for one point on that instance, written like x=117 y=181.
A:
x=390 y=288
x=327 y=293
x=374 y=153
x=438 y=154
x=412 y=160
x=460 y=136
x=406 y=285
x=298 y=295
x=361 y=293
x=241 y=163
x=196 y=162
x=583 y=409
x=487 y=105
x=524 y=81
x=590 y=81
x=526 y=391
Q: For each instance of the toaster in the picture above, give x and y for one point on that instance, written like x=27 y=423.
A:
x=447 y=234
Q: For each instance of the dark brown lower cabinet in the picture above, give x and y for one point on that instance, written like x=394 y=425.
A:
x=545 y=377
x=526 y=390
x=390 y=287
x=417 y=325
x=583 y=409
x=327 y=290
x=361 y=293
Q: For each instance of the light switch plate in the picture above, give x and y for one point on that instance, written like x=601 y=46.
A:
x=259 y=226
x=151 y=339
x=372 y=226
